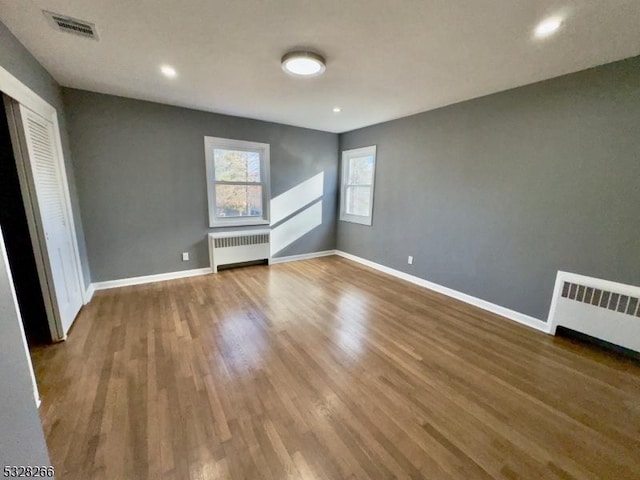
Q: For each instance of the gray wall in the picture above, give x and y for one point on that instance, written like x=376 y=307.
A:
x=21 y=438
x=22 y=65
x=494 y=195
x=140 y=172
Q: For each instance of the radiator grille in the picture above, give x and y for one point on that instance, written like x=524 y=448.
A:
x=240 y=241
x=602 y=298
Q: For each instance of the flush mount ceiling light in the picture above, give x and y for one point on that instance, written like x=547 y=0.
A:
x=548 y=27
x=337 y=109
x=303 y=64
x=168 y=71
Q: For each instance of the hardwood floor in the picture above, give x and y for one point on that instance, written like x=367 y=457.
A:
x=324 y=369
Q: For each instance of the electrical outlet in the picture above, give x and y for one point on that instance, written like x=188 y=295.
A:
x=185 y=256
x=410 y=260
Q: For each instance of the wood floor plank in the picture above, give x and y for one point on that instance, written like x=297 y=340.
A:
x=325 y=369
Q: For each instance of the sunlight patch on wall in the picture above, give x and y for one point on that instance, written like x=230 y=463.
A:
x=295 y=198
x=295 y=227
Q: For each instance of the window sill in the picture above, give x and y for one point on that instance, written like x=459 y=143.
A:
x=240 y=223
x=366 y=221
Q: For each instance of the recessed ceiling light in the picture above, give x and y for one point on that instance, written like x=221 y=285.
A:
x=303 y=64
x=337 y=109
x=168 y=71
x=548 y=26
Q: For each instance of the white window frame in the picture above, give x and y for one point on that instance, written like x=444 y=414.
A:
x=263 y=149
x=347 y=155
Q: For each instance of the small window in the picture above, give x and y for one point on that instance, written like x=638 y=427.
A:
x=237 y=182
x=358 y=174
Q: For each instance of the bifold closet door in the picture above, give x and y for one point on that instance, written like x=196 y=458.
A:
x=44 y=174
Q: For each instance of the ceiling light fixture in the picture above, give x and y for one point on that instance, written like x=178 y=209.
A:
x=303 y=64
x=168 y=71
x=337 y=109
x=548 y=27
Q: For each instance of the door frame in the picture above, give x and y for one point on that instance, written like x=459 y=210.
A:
x=19 y=92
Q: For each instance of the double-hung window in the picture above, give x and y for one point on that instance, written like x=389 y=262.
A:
x=237 y=182
x=358 y=174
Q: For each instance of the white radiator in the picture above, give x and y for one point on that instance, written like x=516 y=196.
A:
x=606 y=310
x=238 y=247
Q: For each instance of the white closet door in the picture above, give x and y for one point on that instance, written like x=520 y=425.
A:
x=46 y=174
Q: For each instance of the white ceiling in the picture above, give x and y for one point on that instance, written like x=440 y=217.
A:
x=385 y=58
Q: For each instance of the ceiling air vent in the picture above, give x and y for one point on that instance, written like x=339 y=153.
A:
x=72 y=25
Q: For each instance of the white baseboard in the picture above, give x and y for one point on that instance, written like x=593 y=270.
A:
x=463 y=297
x=161 y=277
x=304 y=256
x=125 y=282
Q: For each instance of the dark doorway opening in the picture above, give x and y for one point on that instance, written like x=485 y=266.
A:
x=15 y=230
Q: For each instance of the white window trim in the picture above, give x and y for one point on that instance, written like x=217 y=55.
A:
x=346 y=156
x=211 y=143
